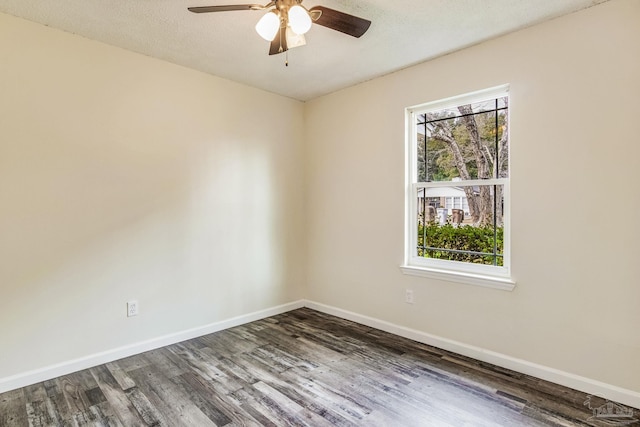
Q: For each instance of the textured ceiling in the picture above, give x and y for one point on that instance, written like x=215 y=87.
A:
x=225 y=44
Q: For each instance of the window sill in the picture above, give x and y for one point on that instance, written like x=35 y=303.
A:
x=502 y=283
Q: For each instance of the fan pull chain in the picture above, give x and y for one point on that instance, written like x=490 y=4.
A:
x=286 y=61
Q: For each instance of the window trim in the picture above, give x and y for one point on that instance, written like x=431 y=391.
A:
x=452 y=271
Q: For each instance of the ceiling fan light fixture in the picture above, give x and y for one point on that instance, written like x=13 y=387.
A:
x=299 y=19
x=268 y=25
x=286 y=21
x=293 y=39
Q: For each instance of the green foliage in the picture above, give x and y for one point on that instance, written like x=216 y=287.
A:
x=441 y=164
x=461 y=238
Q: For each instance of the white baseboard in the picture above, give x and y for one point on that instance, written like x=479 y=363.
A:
x=50 y=372
x=587 y=385
x=608 y=391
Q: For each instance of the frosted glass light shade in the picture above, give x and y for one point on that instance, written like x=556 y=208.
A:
x=268 y=26
x=299 y=19
x=294 y=40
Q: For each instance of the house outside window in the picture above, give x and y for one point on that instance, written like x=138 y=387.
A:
x=457 y=189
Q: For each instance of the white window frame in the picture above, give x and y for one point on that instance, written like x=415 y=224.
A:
x=498 y=277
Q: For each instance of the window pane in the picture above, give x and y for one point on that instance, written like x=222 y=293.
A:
x=457 y=234
x=463 y=143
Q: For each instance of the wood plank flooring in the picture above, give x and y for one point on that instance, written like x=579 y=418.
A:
x=301 y=368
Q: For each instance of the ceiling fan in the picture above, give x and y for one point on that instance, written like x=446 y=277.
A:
x=287 y=21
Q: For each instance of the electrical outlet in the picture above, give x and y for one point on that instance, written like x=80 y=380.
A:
x=408 y=296
x=132 y=308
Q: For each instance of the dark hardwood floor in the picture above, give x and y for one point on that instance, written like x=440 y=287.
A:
x=301 y=368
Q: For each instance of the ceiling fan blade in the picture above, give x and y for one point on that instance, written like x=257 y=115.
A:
x=226 y=8
x=340 y=21
x=279 y=43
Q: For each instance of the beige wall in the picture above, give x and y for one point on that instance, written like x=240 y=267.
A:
x=126 y=177
x=574 y=146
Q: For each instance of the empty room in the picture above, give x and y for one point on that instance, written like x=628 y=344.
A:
x=319 y=213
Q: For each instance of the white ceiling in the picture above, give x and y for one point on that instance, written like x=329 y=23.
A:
x=225 y=44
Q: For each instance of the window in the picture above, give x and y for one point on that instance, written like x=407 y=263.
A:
x=457 y=196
